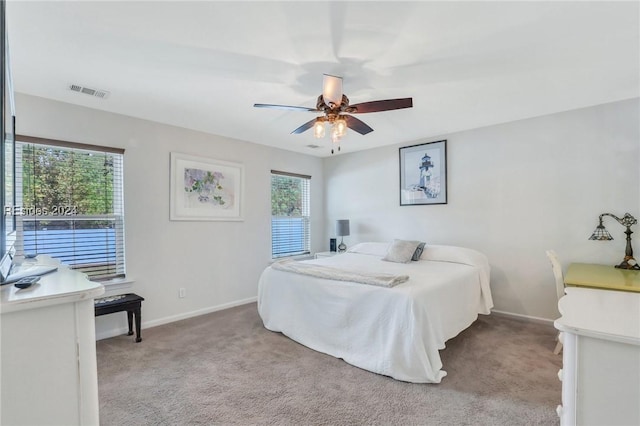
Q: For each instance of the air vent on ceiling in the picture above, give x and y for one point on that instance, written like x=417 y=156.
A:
x=312 y=146
x=103 y=94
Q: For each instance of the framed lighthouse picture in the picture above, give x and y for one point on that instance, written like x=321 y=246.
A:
x=423 y=174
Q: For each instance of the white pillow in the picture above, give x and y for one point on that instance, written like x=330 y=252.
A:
x=401 y=251
x=372 y=248
x=454 y=254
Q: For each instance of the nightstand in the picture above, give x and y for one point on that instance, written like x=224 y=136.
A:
x=325 y=254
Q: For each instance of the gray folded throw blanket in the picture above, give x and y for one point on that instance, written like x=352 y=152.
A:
x=327 y=272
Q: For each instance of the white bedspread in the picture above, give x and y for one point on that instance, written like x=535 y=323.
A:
x=394 y=331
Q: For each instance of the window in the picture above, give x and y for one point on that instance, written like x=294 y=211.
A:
x=290 y=214
x=69 y=205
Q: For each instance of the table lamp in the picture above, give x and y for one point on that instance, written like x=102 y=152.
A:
x=601 y=234
x=342 y=230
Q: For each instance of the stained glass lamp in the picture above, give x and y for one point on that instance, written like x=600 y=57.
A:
x=601 y=234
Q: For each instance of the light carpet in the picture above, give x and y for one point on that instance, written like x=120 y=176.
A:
x=226 y=368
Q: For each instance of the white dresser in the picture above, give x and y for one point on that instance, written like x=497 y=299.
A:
x=48 y=351
x=601 y=357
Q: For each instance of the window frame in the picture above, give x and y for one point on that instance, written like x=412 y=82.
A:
x=116 y=272
x=304 y=217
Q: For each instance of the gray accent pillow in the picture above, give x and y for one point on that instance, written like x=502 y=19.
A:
x=418 y=252
x=401 y=251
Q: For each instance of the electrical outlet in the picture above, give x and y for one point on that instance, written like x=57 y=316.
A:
x=182 y=292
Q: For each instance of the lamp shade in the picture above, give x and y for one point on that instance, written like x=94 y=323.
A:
x=342 y=227
x=318 y=129
x=601 y=234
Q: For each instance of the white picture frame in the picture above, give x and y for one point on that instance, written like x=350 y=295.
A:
x=205 y=189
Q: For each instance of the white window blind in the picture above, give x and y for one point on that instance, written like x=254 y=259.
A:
x=69 y=205
x=290 y=214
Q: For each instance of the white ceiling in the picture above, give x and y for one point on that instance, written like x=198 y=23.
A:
x=202 y=65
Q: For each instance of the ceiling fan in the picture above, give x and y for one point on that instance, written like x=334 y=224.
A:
x=335 y=106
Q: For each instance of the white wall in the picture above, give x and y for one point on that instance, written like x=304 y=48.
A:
x=515 y=190
x=218 y=263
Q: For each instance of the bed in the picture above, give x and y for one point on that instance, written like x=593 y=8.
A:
x=396 y=331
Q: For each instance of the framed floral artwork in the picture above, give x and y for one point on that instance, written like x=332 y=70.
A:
x=205 y=189
x=423 y=174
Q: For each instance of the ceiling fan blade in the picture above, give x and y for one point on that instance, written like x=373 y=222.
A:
x=357 y=125
x=287 y=107
x=332 y=89
x=306 y=126
x=377 y=106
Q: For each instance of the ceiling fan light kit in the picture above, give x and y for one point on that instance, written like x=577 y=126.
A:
x=335 y=106
x=318 y=128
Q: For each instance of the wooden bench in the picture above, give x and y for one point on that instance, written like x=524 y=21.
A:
x=130 y=302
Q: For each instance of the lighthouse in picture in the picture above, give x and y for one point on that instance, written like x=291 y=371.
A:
x=425 y=173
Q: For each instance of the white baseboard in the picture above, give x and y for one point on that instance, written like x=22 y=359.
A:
x=105 y=334
x=521 y=317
